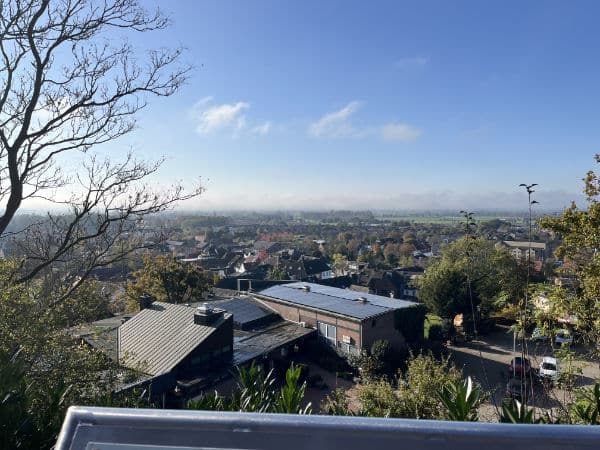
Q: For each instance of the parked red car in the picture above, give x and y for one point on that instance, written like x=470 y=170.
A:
x=519 y=366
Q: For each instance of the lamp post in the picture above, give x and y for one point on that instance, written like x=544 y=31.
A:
x=530 y=190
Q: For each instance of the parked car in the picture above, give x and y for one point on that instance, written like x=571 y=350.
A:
x=518 y=389
x=538 y=335
x=519 y=366
x=563 y=336
x=548 y=369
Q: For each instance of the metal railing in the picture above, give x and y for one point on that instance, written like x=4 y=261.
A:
x=136 y=429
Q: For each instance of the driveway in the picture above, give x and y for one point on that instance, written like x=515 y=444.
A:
x=487 y=361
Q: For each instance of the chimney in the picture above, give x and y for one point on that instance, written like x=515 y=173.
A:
x=145 y=300
x=207 y=315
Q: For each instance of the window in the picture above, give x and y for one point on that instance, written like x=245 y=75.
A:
x=351 y=349
x=327 y=331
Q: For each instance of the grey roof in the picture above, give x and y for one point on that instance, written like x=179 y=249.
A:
x=245 y=310
x=157 y=338
x=336 y=300
x=525 y=244
x=102 y=334
x=247 y=346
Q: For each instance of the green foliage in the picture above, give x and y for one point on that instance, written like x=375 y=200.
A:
x=418 y=386
x=436 y=333
x=570 y=368
x=493 y=275
x=29 y=419
x=378 y=399
x=580 y=233
x=444 y=290
x=378 y=362
x=277 y=273
x=411 y=322
x=337 y=404
x=167 y=280
x=338 y=258
x=89 y=304
x=416 y=395
x=430 y=321
x=328 y=357
x=289 y=398
x=514 y=411
x=52 y=370
x=461 y=400
x=14 y=418
x=586 y=409
x=209 y=402
x=256 y=393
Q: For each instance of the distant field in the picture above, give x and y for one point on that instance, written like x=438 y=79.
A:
x=450 y=220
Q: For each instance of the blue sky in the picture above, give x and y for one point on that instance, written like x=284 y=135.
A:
x=381 y=105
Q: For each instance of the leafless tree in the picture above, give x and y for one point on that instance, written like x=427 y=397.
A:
x=67 y=85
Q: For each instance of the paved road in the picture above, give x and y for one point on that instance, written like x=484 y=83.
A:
x=487 y=360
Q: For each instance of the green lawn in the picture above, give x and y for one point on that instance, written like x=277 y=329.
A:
x=431 y=319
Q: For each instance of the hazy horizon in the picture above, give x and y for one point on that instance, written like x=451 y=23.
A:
x=392 y=105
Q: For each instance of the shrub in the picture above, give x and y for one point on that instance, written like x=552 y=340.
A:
x=436 y=333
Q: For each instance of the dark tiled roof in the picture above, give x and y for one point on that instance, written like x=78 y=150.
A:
x=157 y=338
x=314 y=266
x=305 y=267
x=267 y=245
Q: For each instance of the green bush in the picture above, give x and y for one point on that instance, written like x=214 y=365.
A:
x=411 y=323
x=436 y=333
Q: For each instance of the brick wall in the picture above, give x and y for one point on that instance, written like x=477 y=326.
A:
x=382 y=327
x=299 y=314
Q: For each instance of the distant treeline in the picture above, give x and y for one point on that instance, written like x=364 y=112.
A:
x=203 y=221
x=338 y=216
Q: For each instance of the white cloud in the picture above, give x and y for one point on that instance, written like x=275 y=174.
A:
x=211 y=118
x=399 y=132
x=222 y=116
x=415 y=62
x=336 y=124
x=263 y=129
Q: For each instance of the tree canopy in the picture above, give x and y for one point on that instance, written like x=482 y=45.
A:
x=471 y=274
x=167 y=280
x=579 y=229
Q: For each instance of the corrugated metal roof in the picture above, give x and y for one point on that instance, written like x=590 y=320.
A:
x=157 y=338
x=339 y=301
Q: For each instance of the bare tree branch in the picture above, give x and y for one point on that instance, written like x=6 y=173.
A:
x=66 y=87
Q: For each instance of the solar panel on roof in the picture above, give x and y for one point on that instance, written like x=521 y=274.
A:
x=336 y=303
x=244 y=311
x=353 y=295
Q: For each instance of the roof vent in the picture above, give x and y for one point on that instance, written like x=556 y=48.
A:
x=145 y=300
x=206 y=314
x=362 y=300
x=305 y=288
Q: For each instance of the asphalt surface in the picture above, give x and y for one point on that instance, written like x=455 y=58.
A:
x=487 y=361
